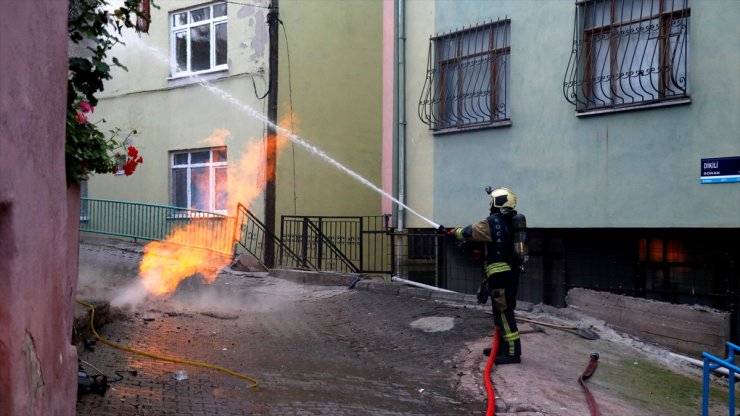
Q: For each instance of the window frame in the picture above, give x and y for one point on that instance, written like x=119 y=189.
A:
x=588 y=69
x=212 y=166
x=494 y=40
x=186 y=28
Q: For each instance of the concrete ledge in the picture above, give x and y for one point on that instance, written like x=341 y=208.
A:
x=470 y=299
x=315 y=278
x=400 y=289
x=448 y=297
x=386 y=288
x=687 y=329
x=415 y=292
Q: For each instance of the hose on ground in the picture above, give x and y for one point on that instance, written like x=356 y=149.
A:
x=487 y=374
x=593 y=408
x=255 y=383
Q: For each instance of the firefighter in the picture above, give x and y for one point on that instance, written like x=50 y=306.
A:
x=503 y=233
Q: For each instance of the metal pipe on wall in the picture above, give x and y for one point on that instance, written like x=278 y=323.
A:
x=401 y=42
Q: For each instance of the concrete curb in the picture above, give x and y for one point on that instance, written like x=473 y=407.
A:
x=314 y=278
x=377 y=286
x=400 y=289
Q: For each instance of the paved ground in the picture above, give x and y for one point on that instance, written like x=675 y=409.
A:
x=374 y=350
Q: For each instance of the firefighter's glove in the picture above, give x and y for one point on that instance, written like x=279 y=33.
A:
x=483 y=292
x=449 y=232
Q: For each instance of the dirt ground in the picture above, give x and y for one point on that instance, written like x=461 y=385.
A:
x=330 y=350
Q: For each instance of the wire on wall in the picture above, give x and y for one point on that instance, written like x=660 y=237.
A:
x=290 y=102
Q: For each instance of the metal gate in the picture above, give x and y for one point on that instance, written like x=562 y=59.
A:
x=343 y=244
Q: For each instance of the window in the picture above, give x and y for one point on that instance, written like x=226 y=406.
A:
x=198 y=39
x=628 y=53
x=199 y=179
x=467 y=83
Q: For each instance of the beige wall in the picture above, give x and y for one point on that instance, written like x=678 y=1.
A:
x=420 y=178
x=179 y=114
x=334 y=81
x=39 y=214
x=335 y=73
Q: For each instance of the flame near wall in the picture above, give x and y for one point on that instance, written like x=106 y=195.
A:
x=165 y=263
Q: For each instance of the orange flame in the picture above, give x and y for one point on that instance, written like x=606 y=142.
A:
x=165 y=264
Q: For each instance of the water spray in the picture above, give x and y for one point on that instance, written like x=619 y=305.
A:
x=287 y=133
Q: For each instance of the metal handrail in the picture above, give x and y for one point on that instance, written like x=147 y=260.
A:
x=206 y=230
x=712 y=363
x=250 y=235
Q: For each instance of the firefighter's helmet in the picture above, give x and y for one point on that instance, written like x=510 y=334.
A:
x=503 y=199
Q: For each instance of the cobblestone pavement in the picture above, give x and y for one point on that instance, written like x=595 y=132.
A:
x=315 y=350
x=328 y=350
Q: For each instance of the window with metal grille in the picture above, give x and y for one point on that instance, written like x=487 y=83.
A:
x=467 y=82
x=628 y=54
x=198 y=37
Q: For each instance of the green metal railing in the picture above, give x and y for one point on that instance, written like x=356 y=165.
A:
x=188 y=227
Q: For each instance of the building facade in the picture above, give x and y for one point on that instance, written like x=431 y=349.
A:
x=39 y=236
x=195 y=94
x=330 y=74
x=600 y=115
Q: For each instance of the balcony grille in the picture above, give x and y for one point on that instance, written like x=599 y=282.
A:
x=467 y=81
x=628 y=53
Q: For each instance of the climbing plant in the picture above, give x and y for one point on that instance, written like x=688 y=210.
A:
x=94 y=28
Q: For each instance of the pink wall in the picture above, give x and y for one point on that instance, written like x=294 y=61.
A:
x=39 y=214
x=389 y=37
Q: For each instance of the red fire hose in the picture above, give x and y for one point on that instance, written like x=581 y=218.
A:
x=587 y=373
x=487 y=374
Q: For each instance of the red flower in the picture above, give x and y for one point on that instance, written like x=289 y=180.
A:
x=132 y=161
x=86 y=107
x=81 y=118
x=129 y=167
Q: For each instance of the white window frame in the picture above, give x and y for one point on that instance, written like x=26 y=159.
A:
x=212 y=167
x=185 y=28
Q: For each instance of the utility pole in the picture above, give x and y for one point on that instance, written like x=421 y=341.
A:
x=273 y=19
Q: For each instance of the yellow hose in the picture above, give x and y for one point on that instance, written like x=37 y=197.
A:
x=255 y=383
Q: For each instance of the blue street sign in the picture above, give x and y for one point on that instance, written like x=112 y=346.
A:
x=720 y=170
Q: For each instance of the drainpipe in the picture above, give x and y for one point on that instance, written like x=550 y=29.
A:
x=400 y=133
x=401 y=43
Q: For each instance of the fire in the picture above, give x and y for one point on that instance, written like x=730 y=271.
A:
x=167 y=263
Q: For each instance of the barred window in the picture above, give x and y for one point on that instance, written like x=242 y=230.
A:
x=467 y=82
x=628 y=53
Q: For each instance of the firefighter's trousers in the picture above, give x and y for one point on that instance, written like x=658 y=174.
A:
x=503 y=284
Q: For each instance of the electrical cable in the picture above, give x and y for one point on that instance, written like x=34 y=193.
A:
x=491 y=409
x=255 y=383
x=254 y=85
x=290 y=103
